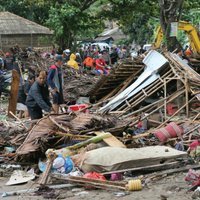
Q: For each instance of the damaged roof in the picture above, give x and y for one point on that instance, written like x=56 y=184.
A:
x=11 y=24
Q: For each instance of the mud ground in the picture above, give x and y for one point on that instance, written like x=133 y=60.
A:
x=173 y=187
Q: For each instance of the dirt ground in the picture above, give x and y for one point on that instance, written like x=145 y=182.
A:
x=173 y=187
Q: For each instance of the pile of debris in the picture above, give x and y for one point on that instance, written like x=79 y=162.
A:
x=77 y=84
x=120 y=77
x=141 y=105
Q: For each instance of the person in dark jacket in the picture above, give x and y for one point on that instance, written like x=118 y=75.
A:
x=55 y=81
x=38 y=97
x=8 y=62
x=22 y=95
x=24 y=89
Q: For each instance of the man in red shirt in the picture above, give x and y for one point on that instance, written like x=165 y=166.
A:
x=100 y=65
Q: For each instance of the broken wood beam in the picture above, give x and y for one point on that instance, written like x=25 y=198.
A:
x=58 y=125
x=51 y=156
x=13 y=93
x=110 y=185
x=150 y=105
x=112 y=141
x=19 y=120
x=104 y=184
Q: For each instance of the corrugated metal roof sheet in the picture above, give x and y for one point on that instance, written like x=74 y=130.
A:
x=13 y=24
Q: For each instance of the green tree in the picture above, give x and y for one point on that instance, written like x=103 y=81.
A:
x=71 y=21
x=136 y=18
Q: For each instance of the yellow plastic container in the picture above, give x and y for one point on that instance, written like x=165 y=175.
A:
x=134 y=185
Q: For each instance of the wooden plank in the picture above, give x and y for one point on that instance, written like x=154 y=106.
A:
x=109 y=185
x=13 y=93
x=112 y=141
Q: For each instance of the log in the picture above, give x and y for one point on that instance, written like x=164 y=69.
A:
x=13 y=93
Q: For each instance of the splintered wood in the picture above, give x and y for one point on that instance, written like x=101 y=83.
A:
x=118 y=79
x=44 y=133
x=13 y=93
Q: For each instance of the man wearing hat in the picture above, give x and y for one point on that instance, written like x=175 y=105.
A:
x=55 y=81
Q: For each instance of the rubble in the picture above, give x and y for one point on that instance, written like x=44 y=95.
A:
x=44 y=133
x=138 y=107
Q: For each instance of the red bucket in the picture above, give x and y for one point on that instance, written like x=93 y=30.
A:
x=172 y=130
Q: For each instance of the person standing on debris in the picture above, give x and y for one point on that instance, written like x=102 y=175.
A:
x=55 y=81
x=38 y=97
x=22 y=95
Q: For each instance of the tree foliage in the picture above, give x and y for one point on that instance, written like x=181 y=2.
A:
x=75 y=19
x=72 y=21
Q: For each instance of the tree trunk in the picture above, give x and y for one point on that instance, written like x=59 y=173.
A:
x=170 y=11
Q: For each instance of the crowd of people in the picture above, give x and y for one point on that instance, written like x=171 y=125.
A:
x=98 y=60
x=43 y=90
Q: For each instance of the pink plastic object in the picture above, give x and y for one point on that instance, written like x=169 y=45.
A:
x=116 y=177
x=93 y=175
x=172 y=130
x=192 y=176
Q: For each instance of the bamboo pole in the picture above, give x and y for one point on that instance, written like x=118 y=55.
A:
x=94 y=139
x=157 y=108
x=186 y=96
x=18 y=120
x=138 y=98
x=176 y=112
x=165 y=96
x=148 y=106
x=91 y=182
